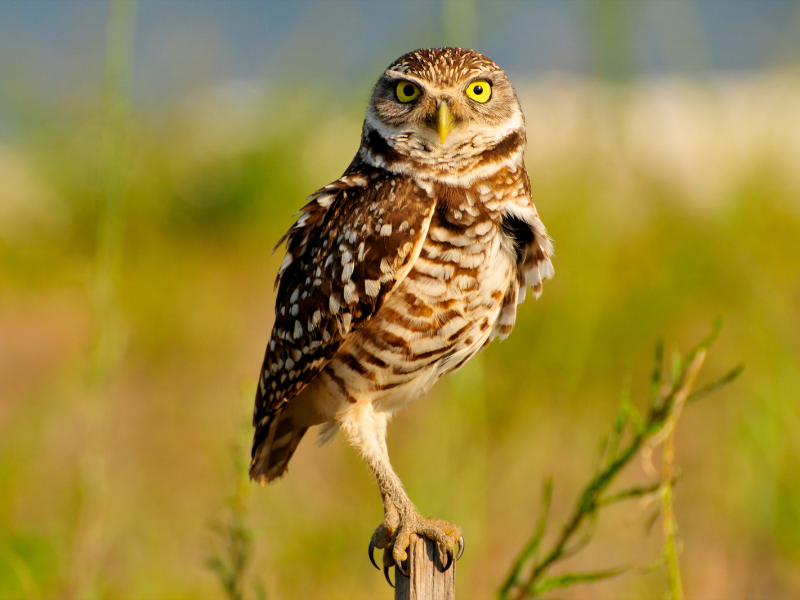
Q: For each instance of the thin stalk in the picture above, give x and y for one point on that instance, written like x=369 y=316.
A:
x=87 y=557
x=655 y=428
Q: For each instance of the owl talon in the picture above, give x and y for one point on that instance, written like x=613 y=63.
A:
x=372 y=554
x=386 y=574
x=449 y=560
x=401 y=568
x=460 y=548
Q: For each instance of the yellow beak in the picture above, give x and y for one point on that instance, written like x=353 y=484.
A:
x=446 y=121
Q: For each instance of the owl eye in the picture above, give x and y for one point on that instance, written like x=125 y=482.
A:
x=406 y=92
x=480 y=91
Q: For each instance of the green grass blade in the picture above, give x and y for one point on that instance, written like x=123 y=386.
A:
x=655 y=377
x=570 y=579
x=533 y=544
x=627 y=494
x=712 y=387
x=620 y=422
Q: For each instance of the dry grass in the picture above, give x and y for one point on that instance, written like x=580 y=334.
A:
x=671 y=202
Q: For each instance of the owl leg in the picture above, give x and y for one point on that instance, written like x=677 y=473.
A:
x=366 y=430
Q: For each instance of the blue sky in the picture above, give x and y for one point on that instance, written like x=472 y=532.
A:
x=54 y=49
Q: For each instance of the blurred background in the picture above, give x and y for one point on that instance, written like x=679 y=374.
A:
x=153 y=152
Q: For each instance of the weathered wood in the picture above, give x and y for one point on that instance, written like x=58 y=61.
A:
x=426 y=581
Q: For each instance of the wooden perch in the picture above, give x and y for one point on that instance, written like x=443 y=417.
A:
x=426 y=581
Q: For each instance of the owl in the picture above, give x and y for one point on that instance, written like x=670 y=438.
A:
x=400 y=271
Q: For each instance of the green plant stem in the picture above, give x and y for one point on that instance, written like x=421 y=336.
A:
x=587 y=506
x=667 y=399
x=669 y=524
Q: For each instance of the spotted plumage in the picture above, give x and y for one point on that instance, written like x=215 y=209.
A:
x=401 y=270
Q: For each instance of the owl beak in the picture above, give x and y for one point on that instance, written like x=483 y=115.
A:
x=446 y=121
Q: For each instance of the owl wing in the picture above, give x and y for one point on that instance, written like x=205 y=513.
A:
x=532 y=248
x=352 y=243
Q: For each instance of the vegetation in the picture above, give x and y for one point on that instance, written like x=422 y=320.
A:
x=232 y=555
x=654 y=431
x=136 y=298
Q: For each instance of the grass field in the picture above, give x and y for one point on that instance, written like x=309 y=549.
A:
x=136 y=299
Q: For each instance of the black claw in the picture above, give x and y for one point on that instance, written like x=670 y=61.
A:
x=460 y=547
x=401 y=568
x=449 y=560
x=371 y=555
x=386 y=574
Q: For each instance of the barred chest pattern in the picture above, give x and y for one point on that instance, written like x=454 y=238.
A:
x=461 y=292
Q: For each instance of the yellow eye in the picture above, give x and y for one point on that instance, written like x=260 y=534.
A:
x=480 y=91
x=407 y=91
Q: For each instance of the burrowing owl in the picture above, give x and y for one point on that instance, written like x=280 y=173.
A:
x=402 y=270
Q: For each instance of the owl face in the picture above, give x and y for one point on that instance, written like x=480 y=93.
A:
x=441 y=101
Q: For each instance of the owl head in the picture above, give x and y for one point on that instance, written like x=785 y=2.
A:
x=442 y=104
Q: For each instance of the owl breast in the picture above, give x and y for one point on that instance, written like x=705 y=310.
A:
x=441 y=314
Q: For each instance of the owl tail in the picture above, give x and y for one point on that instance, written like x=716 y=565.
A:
x=273 y=447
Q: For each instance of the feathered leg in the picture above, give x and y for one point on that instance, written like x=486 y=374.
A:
x=366 y=430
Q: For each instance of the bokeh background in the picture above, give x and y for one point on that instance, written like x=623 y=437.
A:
x=152 y=153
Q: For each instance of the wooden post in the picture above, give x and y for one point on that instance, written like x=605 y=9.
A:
x=426 y=580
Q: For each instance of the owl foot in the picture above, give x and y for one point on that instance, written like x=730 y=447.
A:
x=382 y=539
x=394 y=538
